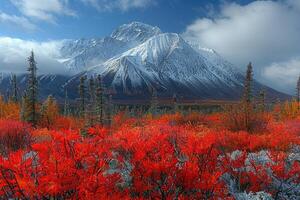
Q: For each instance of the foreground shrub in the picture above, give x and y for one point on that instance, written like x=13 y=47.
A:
x=288 y=110
x=63 y=167
x=14 y=135
x=67 y=123
x=9 y=110
x=155 y=158
x=241 y=117
x=168 y=162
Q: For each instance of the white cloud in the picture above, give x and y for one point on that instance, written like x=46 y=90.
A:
x=284 y=74
x=264 y=32
x=45 y=10
x=14 y=53
x=14 y=20
x=124 y=5
x=294 y=3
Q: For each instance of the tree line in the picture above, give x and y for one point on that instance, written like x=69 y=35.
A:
x=95 y=101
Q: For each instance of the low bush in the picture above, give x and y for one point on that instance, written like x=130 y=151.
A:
x=14 y=135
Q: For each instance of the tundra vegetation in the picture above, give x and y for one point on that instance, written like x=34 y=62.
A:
x=246 y=150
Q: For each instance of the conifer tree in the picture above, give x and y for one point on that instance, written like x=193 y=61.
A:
x=175 y=104
x=91 y=108
x=84 y=130
x=14 y=88
x=49 y=112
x=277 y=108
x=30 y=112
x=66 y=103
x=24 y=102
x=298 y=92
x=99 y=100
x=247 y=98
x=88 y=118
x=92 y=90
x=154 y=102
x=109 y=112
x=7 y=95
x=82 y=98
x=248 y=84
x=262 y=100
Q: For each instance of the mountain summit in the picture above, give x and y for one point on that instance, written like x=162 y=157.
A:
x=77 y=55
x=135 y=32
x=137 y=58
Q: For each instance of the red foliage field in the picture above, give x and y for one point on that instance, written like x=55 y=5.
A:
x=167 y=157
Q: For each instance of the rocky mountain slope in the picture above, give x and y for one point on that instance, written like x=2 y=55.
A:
x=142 y=58
x=138 y=58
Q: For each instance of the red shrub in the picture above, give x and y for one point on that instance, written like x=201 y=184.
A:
x=67 y=123
x=14 y=135
x=170 y=157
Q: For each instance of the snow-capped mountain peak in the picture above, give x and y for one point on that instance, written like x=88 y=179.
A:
x=78 y=55
x=138 y=57
x=135 y=31
x=163 y=59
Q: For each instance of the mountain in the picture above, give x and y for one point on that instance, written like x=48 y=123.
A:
x=142 y=57
x=137 y=58
x=48 y=84
x=77 y=55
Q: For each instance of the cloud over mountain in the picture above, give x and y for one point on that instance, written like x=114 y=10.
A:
x=265 y=32
x=13 y=54
x=45 y=10
x=13 y=20
x=123 y=5
x=283 y=72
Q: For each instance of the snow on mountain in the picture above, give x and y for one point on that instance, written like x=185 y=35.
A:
x=219 y=65
x=164 y=56
x=135 y=32
x=48 y=84
x=138 y=57
x=168 y=63
x=77 y=55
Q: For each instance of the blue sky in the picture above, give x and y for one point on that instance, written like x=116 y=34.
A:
x=265 y=32
x=88 y=20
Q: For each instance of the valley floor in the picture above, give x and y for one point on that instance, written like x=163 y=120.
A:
x=171 y=156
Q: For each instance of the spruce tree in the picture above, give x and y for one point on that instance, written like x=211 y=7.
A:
x=99 y=100
x=247 y=98
x=175 y=104
x=298 y=93
x=154 y=102
x=91 y=109
x=262 y=100
x=248 y=84
x=14 y=88
x=92 y=90
x=24 y=103
x=109 y=112
x=66 y=104
x=31 y=114
x=82 y=98
x=7 y=96
x=49 y=112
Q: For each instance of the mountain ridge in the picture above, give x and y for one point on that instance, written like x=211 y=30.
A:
x=145 y=66
x=137 y=58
